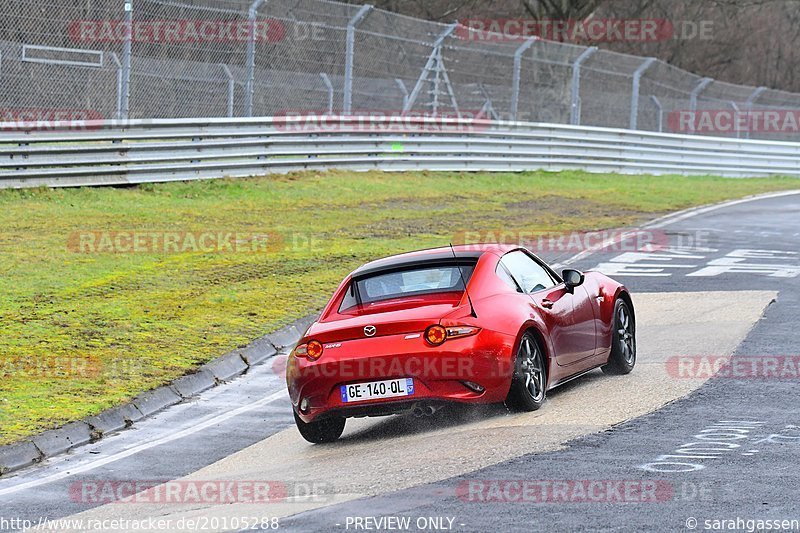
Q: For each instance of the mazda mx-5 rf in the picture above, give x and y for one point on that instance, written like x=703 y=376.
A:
x=466 y=324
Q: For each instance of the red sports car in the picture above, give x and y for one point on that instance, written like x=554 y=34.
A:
x=470 y=324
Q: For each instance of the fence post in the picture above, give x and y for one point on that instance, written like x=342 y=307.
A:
x=518 y=76
x=117 y=62
x=231 y=88
x=575 y=107
x=699 y=88
x=348 y=60
x=327 y=81
x=753 y=97
x=736 y=112
x=250 y=62
x=403 y=88
x=750 y=101
x=125 y=81
x=660 y=108
x=637 y=81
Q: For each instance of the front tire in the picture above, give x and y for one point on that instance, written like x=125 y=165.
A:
x=529 y=384
x=320 y=431
x=623 y=341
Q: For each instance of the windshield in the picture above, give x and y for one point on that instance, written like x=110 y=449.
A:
x=383 y=286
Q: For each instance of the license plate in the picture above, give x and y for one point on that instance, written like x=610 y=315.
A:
x=375 y=390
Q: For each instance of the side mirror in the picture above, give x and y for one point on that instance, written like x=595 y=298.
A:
x=572 y=278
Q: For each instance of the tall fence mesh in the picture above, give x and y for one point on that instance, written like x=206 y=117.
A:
x=122 y=59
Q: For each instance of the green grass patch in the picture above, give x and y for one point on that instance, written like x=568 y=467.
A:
x=81 y=332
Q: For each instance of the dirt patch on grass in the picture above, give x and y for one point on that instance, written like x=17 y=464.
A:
x=573 y=207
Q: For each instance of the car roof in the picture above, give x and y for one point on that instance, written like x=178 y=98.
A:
x=433 y=255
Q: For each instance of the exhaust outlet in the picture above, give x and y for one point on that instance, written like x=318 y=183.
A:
x=421 y=411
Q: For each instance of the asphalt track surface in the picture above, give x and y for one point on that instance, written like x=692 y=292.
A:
x=703 y=296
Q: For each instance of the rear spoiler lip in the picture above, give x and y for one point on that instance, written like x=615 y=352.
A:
x=411 y=264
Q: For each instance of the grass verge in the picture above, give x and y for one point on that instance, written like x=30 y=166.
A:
x=83 y=328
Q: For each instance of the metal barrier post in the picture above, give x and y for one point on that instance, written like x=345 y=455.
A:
x=637 y=80
x=404 y=90
x=749 y=103
x=117 y=62
x=575 y=107
x=348 y=61
x=660 y=108
x=735 y=121
x=699 y=88
x=125 y=82
x=231 y=88
x=252 y=13
x=517 y=75
x=327 y=81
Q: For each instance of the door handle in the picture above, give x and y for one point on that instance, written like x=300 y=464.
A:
x=547 y=304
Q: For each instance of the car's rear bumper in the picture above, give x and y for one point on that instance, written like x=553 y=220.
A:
x=439 y=373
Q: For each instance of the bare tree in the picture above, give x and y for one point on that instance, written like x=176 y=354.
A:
x=575 y=10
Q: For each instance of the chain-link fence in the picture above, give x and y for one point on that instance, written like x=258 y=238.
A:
x=216 y=58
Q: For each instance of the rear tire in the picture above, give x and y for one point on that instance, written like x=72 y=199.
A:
x=529 y=384
x=623 y=341
x=320 y=431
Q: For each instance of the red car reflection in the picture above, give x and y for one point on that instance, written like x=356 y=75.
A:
x=402 y=334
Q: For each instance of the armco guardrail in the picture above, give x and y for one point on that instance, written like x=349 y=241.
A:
x=139 y=151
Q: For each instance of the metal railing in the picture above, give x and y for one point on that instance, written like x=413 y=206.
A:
x=140 y=151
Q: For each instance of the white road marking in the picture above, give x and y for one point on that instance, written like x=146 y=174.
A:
x=670 y=219
x=695 y=211
x=630 y=264
x=144 y=446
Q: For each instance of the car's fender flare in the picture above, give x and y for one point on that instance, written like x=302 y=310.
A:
x=624 y=293
x=537 y=327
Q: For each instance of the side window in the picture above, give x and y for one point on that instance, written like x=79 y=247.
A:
x=529 y=274
x=503 y=274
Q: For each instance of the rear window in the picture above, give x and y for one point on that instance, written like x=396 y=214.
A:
x=406 y=283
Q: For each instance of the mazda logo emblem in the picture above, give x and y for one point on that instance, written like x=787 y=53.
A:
x=370 y=331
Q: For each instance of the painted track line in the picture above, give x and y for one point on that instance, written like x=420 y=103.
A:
x=670 y=219
x=144 y=446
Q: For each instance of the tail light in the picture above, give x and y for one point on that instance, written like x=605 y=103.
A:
x=436 y=335
x=461 y=331
x=311 y=350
